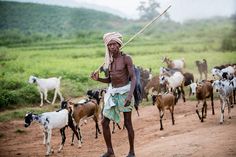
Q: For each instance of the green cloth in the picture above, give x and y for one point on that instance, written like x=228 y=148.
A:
x=113 y=113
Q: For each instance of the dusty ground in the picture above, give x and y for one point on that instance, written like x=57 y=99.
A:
x=188 y=137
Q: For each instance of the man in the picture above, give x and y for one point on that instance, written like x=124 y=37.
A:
x=121 y=79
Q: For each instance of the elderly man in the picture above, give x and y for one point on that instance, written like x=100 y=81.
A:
x=119 y=94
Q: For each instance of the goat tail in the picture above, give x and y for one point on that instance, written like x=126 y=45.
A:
x=59 y=77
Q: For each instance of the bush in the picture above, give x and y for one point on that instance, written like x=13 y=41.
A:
x=228 y=44
x=7 y=97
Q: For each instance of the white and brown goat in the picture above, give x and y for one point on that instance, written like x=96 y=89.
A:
x=203 y=91
x=89 y=108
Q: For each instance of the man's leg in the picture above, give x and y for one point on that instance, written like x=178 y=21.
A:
x=107 y=137
x=129 y=127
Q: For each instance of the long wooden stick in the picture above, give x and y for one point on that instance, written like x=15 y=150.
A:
x=153 y=20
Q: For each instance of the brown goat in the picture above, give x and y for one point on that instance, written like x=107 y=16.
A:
x=202 y=68
x=204 y=90
x=154 y=84
x=87 y=109
x=165 y=101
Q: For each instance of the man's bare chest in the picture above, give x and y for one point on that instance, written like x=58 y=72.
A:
x=118 y=64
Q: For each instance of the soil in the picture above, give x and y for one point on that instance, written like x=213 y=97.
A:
x=188 y=137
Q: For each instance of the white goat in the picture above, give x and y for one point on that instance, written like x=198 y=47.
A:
x=44 y=85
x=225 y=89
x=50 y=120
x=173 y=82
x=225 y=73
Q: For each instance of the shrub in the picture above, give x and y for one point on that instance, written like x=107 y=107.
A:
x=228 y=44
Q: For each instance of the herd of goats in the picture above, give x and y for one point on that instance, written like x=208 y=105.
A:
x=165 y=89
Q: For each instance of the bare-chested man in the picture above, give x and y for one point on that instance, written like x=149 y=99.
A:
x=119 y=94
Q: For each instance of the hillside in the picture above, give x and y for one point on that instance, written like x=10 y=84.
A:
x=53 y=20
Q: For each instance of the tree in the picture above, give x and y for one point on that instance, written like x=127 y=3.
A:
x=149 y=10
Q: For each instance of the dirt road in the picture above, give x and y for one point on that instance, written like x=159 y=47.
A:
x=188 y=137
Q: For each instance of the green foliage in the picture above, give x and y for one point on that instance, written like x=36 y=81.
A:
x=28 y=22
x=228 y=44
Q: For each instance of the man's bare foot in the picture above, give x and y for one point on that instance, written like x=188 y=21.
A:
x=130 y=155
x=108 y=154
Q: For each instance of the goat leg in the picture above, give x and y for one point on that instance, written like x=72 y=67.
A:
x=212 y=105
x=203 y=108
x=172 y=115
x=97 y=130
x=41 y=97
x=55 y=96
x=229 y=109
x=161 y=116
x=198 y=111
x=63 y=139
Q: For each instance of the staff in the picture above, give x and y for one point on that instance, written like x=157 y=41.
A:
x=154 y=19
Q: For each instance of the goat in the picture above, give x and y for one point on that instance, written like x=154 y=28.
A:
x=233 y=81
x=225 y=89
x=203 y=91
x=44 y=85
x=165 y=101
x=174 y=64
x=89 y=108
x=225 y=73
x=173 y=82
x=202 y=68
x=153 y=84
x=145 y=77
x=50 y=120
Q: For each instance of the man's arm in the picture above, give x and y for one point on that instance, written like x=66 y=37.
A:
x=130 y=66
x=95 y=76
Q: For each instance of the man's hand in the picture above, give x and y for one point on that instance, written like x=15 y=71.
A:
x=127 y=103
x=94 y=75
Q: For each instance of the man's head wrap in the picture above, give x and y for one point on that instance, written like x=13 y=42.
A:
x=107 y=38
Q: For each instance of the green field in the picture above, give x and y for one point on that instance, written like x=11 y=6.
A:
x=75 y=66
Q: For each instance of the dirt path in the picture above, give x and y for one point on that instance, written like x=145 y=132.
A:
x=188 y=137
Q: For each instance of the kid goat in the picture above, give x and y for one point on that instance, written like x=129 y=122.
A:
x=44 y=85
x=165 y=101
x=50 y=120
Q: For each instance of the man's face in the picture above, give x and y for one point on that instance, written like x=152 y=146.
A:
x=113 y=47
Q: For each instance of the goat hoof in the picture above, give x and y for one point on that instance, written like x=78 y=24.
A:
x=161 y=129
x=72 y=144
x=229 y=117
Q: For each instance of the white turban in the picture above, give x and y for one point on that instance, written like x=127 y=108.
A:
x=107 y=38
